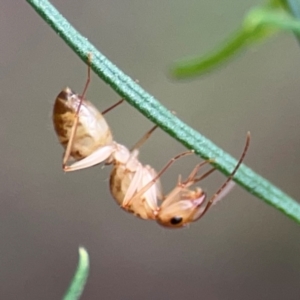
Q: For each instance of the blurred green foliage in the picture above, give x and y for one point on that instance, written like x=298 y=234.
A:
x=259 y=24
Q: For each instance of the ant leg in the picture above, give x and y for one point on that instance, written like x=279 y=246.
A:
x=144 y=138
x=223 y=186
x=204 y=175
x=137 y=180
x=112 y=107
x=159 y=174
x=75 y=124
x=192 y=177
x=97 y=157
x=170 y=162
x=88 y=80
x=70 y=143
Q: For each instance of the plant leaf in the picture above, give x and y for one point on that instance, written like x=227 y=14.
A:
x=78 y=282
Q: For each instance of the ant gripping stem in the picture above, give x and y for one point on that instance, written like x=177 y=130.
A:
x=211 y=201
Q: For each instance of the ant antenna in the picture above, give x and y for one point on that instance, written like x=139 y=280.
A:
x=210 y=202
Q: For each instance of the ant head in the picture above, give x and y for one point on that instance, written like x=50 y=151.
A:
x=181 y=213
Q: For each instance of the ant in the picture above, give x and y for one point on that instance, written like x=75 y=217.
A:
x=84 y=133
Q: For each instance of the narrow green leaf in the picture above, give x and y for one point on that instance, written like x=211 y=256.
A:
x=156 y=112
x=199 y=65
x=239 y=41
x=259 y=24
x=251 y=31
x=76 y=287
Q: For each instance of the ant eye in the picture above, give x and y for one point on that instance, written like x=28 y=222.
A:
x=176 y=220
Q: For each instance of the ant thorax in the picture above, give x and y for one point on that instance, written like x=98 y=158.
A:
x=92 y=131
x=127 y=181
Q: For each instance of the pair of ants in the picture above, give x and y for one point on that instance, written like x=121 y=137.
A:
x=86 y=137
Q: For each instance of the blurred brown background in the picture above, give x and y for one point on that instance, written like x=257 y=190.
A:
x=242 y=249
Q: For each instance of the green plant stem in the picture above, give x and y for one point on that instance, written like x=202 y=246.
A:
x=154 y=111
x=79 y=280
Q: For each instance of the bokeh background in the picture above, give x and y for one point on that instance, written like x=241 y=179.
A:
x=242 y=249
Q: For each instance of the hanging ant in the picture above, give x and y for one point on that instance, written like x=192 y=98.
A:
x=84 y=133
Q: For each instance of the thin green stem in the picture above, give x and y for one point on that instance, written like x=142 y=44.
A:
x=154 y=111
x=78 y=282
